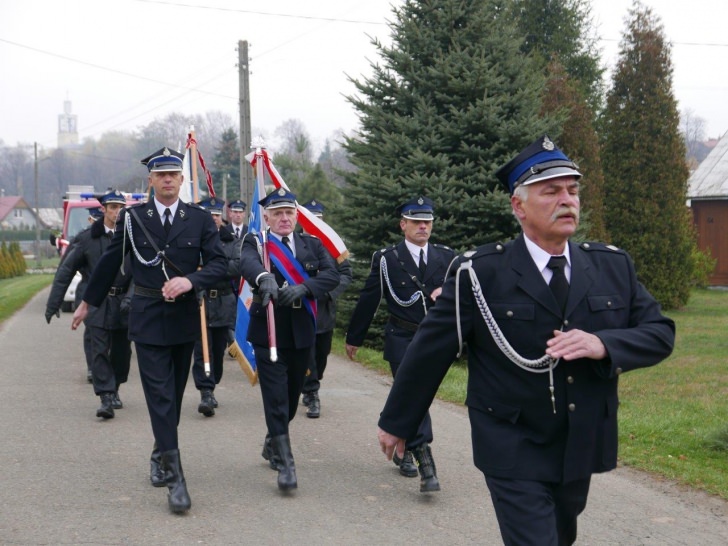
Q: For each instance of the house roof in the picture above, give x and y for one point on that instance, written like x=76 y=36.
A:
x=7 y=204
x=710 y=179
x=51 y=217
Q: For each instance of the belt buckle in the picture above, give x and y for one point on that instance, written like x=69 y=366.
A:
x=213 y=293
x=112 y=291
x=296 y=304
x=170 y=300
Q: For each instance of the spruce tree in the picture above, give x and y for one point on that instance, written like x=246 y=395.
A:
x=644 y=162
x=227 y=163
x=452 y=99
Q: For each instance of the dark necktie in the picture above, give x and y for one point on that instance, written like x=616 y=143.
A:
x=422 y=265
x=286 y=241
x=237 y=233
x=110 y=234
x=167 y=221
x=559 y=285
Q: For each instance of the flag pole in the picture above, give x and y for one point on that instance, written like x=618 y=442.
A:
x=270 y=311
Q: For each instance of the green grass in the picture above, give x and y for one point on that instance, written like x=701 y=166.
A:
x=673 y=417
x=16 y=292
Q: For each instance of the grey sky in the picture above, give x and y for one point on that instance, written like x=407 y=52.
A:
x=126 y=62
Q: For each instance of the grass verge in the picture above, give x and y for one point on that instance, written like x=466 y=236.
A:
x=673 y=417
x=16 y=292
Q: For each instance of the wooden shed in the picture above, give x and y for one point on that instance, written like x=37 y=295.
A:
x=708 y=199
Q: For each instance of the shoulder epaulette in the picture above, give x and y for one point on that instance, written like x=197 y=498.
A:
x=195 y=206
x=136 y=205
x=308 y=235
x=444 y=247
x=485 y=250
x=386 y=249
x=591 y=246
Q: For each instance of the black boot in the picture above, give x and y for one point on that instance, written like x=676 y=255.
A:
x=314 y=406
x=178 y=498
x=214 y=400
x=306 y=399
x=270 y=455
x=287 y=472
x=426 y=466
x=156 y=474
x=106 y=410
x=116 y=402
x=206 y=406
x=407 y=466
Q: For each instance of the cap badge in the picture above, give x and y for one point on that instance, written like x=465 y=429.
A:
x=166 y=152
x=212 y=202
x=420 y=201
x=313 y=202
x=547 y=144
x=281 y=192
x=117 y=193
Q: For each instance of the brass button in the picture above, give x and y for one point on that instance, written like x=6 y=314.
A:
x=572 y=407
x=566 y=322
x=609 y=304
x=509 y=314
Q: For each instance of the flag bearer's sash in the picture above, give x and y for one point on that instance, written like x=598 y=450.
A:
x=291 y=269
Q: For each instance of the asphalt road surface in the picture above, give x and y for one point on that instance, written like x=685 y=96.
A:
x=71 y=478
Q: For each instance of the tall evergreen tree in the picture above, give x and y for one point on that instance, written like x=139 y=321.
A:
x=644 y=162
x=452 y=100
x=226 y=163
x=562 y=30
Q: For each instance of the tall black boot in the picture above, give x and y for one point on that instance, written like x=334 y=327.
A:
x=287 y=471
x=156 y=474
x=426 y=466
x=178 y=498
x=270 y=455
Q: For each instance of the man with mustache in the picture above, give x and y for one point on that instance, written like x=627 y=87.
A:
x=549 y=325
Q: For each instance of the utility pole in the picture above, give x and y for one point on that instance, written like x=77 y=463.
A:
x=246 y=172
x=37 y=215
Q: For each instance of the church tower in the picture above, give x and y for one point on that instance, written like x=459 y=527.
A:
x=67 y=131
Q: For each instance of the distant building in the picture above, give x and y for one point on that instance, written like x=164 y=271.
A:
x=67 y=127
x=708 y=199
x=16 y=214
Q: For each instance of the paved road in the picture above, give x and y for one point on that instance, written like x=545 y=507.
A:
x=70 y=478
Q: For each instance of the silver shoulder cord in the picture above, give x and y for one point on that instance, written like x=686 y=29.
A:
x=384 y=277
x=151 y=263
x=540 y=365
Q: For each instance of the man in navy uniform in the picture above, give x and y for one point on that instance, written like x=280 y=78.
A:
x=106 y=341
x=174 y=251
x=410 y=276
x=301 y=272
x=236 y=214
x=568 y=318
x=220 y=306
x=325 y=324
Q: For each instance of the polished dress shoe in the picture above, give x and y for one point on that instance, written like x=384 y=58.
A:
x=206 y=407
x=407 y=466
x=106 y=410
x=314 y=406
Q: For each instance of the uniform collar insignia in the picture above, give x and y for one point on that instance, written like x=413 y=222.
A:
x=181 y=213
x=150 y=212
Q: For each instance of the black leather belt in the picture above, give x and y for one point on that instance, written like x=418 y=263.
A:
x=154 y=293
x=117 y=290
x=219 y=292
x=404 y=324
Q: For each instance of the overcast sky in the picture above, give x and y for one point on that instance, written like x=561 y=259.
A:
x=123 y=63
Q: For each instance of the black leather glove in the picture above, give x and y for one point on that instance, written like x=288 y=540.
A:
x=125 y=305
x=288 y=294
x=49 y=314
x=267 y=289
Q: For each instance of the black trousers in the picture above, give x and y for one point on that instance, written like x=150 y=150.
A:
x=164 y=370
x=532 y=513
x=88 y=350
x=281 y=383
x=217 y=341
x=321 y=357
x=110 y=358
x=424 y=431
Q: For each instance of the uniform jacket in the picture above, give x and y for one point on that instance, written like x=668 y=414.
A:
x=82 y=255
x=221 y=300
x=229 y=229
x=294 y=327
x=515 y=432
x=401 y=271
x=326 y=320
x=192 y=241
